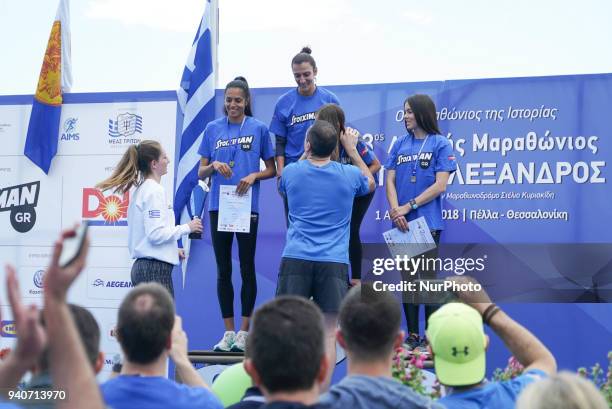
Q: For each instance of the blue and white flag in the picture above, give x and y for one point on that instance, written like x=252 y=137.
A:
x=55 y=78
x=196 y=98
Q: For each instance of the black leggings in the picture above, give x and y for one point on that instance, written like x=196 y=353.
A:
x=360 y=207
x=222 y=245
x=412 y=310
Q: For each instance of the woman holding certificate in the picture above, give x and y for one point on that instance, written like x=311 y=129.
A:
x=231 y=150
x=418 y=169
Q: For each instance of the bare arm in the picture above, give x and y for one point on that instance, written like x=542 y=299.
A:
x=349 y=140
x=429 y=194
x=178 y=354
x=206 y=169
x=248 y=181
x=306 y=153
x=374 y=166
x=31 y=339
x=281 y=144
x=70 y=369
x=434 y=190
x=527 y=349
x=391 y=191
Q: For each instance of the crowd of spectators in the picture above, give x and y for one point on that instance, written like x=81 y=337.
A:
x=285 y=357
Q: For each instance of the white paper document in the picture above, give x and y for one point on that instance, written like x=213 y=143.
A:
x=234 y=210
x=416 y=241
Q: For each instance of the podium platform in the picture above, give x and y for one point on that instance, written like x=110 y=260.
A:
x=215 y=358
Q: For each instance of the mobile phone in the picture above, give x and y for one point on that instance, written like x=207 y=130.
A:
x=73 y=245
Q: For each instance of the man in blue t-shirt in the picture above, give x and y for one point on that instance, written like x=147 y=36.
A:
x=370 y=333
x=320 y=195
x=149 y=333
x=458 y=343
x=285 y=354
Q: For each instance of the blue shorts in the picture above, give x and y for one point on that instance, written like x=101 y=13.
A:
x=326 y=282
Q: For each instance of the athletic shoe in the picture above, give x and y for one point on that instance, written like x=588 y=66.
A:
x=226 y=343
x=240 y=341
x=413 y=341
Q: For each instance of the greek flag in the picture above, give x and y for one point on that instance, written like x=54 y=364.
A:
x=196 y=98
x=55 y=78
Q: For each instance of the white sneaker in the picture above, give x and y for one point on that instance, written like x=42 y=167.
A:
x=240 y=341
x=226 y=343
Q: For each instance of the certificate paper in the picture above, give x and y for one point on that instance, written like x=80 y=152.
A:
x=234 y=210
x=416 y=241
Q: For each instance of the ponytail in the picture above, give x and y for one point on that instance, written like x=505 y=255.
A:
x=134 y=166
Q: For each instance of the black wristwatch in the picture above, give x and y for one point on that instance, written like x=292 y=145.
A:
x=413 y=204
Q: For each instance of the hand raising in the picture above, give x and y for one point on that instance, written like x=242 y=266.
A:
x=31 y=336
x=58 y=279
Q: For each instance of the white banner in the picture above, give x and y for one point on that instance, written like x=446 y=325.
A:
x=34 y=207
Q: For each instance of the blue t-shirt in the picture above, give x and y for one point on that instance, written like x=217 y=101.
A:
x=293 y=115
x=373 y=392
x=320 y=202
x=155 y=392
x=498 y=395
x=364 y=151
x=240 y=146
x=436 y=155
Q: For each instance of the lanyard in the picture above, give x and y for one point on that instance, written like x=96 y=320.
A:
x=414 y=166
x=234 y=148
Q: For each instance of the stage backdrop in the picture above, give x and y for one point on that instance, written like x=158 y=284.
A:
x=532 y=156
x=95 y=131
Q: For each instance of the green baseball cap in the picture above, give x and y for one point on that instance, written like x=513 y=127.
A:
x=458 y=342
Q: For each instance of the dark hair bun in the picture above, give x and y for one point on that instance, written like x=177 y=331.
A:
x=306 y=50
x=240 y=78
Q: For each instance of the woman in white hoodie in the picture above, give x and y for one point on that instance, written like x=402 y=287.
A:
x=152 y=235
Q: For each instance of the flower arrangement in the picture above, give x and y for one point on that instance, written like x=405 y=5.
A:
x=408 y=369
x=511 y=371
x=596 y=375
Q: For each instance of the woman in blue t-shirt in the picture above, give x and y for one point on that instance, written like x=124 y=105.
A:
x=333 y=114
x=418 y=169
x=231 y=149
x=295 y=110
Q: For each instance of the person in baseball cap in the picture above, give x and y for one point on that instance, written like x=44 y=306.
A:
x=458 y=342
